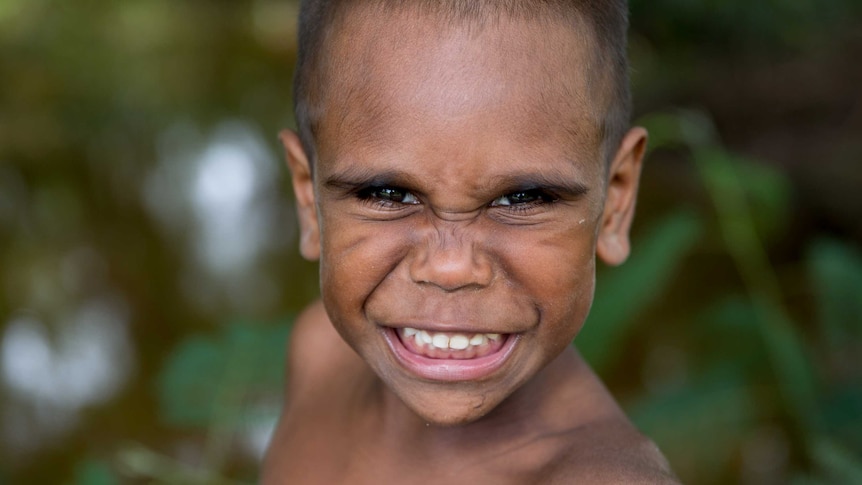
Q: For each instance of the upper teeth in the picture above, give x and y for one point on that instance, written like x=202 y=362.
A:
x=456 y=341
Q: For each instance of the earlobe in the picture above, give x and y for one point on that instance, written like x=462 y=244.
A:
x=613 y=245
x=303 y=189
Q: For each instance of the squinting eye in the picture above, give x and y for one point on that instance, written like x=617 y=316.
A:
x=522 y=197
x=392 y=194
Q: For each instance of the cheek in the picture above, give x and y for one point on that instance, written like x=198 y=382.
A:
x=558 y=271
x=569 y=304
x=559 y=263
x=355 y=257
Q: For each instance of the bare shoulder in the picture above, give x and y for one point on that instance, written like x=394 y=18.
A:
x=611 y=452
x=321 y=371
x=596 y=442
x=316 y=354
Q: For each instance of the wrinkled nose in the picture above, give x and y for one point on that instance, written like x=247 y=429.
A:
x=451 y=264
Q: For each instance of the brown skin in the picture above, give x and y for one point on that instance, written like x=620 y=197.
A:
x=339 y=426
x=501 y=204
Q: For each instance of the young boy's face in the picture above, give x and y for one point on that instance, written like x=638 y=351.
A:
x=460 y=192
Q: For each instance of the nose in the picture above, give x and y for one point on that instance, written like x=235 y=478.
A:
x=451 y=263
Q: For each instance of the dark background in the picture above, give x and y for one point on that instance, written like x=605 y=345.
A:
x=149 y=270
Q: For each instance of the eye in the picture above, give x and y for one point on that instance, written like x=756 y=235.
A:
x=523 y=197
x=388 y=195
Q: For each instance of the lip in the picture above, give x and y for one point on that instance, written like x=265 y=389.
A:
x=449 y=370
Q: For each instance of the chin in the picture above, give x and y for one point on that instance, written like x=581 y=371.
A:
x=448 y=408
x=453 y=418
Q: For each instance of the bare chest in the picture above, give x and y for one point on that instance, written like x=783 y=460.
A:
x=327 y=451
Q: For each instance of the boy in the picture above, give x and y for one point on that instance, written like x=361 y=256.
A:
x=458 y=166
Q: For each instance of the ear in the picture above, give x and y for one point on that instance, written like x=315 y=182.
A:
x=613 y=245
x=303 y=188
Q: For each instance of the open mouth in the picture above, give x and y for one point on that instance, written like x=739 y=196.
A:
x=450 y=356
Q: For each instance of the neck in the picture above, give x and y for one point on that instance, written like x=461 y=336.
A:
x=564 y=396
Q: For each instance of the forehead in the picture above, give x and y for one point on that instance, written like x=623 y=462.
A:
x=390 y=74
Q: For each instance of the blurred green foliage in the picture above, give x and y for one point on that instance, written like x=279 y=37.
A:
x=760 y=370
x=645 y=277
x=219 y=384
x=204 y=377
x=94 y=472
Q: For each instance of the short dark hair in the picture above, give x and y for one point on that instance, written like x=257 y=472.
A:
x=608 y=20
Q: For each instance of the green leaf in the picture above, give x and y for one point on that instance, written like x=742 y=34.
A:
x=94 y=472
x=716 y=405
x=139 y=462
x=842 y=413
x=207 y=376
x=793 y=367
x=679 y=127
x=731 y=324
x=806 y=479
x=622 y=293
x=788 y=355
x=769 y=193
x=837 y=462
x=663 y=128
x=190 y=381
x=836 y=273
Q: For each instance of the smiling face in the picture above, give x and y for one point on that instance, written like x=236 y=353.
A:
x=458 y=200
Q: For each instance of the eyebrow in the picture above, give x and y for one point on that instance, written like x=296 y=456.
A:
x=560 y=185
x=357 y=177
x=354 y=178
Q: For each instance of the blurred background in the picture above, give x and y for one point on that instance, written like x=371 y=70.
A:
x=149 y=268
